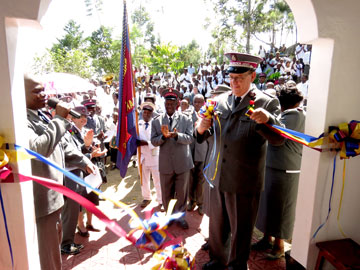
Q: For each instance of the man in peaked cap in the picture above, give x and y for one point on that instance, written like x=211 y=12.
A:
x=262 y=82
x=240 y=172
x=149 y=156
x=219 y=89
x=173 y=132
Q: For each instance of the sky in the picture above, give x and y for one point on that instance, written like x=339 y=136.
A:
x=177 y=21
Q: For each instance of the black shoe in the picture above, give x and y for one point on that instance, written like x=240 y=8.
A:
x=213 y=265
x=205 y=246
x=262 y=245
x=200 y=210
x=90 y=227
x=81 y=233
x=183 y=224
x=145 y=203
x=70 y=249
x=191 y=206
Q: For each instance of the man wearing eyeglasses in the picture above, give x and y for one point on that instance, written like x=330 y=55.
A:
x=241 y=142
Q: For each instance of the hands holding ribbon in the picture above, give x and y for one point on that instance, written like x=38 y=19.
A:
x=260 y=116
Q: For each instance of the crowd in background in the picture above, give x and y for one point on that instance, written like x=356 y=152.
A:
x=279 y=74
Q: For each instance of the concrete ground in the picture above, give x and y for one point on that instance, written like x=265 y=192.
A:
x=104 y=250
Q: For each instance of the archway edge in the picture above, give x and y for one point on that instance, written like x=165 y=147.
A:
x=307 y=29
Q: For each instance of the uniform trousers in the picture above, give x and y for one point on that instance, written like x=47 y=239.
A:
x=232 y=219
x=196 y=183
x=49 y=231
x=175 y=186
x=70 y=212
x=145 y=187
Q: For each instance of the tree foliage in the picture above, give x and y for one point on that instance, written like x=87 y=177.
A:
x=242 y=20
x=104 y=51
x=237 y=23
x=165 y=58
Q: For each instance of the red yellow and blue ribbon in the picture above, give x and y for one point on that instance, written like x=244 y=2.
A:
x=155 y=225
x=209 y=111
x=150 y=230
x=174 y=257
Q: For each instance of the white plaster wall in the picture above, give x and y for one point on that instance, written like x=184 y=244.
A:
x=333 y=98
x=18 y=198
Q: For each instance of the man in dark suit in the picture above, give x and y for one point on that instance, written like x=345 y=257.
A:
x=173 y=132
x=240 y=172
x=70 y=212
x=198 y=151
x=46 y=138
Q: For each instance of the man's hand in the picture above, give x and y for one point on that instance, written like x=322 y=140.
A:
x=88 y=137
x=173 y=134
x=260 y=116
x=100 y=136
x=165 y=131
x=62 y=109
x=90 y=168
x=203 y=124
x=141 y=142
x=97 y=152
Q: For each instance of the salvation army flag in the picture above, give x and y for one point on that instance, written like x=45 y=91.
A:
x=126 y=132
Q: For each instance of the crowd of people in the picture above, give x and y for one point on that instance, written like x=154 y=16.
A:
x=176 y=144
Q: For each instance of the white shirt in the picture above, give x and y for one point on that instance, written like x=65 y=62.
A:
x=149 y=153
x=303 y=87
x=307 y=58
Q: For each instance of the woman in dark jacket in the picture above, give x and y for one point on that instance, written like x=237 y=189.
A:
x=278 y=200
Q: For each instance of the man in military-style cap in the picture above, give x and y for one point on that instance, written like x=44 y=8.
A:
x=219 y=89
x=149 y=158
x=240 y=172
x=173 y=132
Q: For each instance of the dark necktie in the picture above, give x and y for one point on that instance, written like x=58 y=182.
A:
x=170 y=121
x=146 y=125
x=43 y=117
x=237 y=101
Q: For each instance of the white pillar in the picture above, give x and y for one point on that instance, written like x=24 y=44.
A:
x=332 y=28
x=18 y=198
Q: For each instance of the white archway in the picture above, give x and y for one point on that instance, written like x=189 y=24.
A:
x=329 y=25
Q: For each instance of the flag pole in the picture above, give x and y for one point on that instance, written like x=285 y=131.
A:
x=136 y=113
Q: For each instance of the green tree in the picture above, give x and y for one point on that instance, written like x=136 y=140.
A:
x=190 y=53
x=104 y=51
x=73 y=38
x=68 y=55
x=165 y=58
x=142 y=36
x=241 y=20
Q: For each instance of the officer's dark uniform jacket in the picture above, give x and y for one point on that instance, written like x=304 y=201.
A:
x=242 y=143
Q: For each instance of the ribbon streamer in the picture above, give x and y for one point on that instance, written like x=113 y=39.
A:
x=331 y=193
x=174 y=257
x=6 y=229
x=209 y=111
x=150 y=229
x=341 y=198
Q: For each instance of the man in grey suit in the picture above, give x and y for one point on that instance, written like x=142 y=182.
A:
x=240 y=172
x=173 y=132
x=198 y=151
x=46 y=138
x=262 y=82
